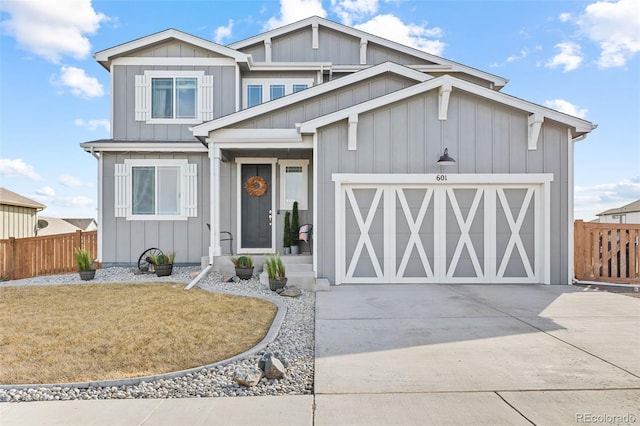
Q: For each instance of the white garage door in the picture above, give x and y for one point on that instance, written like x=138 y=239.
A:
x=442 y=228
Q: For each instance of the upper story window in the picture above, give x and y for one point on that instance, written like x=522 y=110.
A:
x=259 y=90
x=174 y=97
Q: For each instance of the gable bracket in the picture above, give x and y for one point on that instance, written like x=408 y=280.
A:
x=443 y=97
x=314 y=36
x=363 y=51
x=267 y=50
x=352 y=144
x=535 y=125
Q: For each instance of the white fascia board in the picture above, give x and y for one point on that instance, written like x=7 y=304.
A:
x=144 y=146
x=241 y=136
x=204 y=128
x=130 y=60
x=361 y=35
x=290 y=66
x=580 y=125
x=436 y=178
x=104 y=56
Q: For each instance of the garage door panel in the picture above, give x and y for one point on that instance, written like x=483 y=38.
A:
x=458 y=233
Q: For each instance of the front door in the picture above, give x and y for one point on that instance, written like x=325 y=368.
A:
x=256 y=202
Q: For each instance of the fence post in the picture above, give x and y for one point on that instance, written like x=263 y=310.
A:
x=578 y=247
x=12 y=253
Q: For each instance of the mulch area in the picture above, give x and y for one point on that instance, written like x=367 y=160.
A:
x=631 y=290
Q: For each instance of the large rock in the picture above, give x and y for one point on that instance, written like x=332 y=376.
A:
x=291 y=292
x=272 y=367
x=247 y=376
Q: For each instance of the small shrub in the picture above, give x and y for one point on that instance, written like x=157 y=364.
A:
x=82 y=258
x=274 y=266
x=242 y=262
x=162 y=259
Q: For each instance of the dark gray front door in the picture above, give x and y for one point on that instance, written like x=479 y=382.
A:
x=256 y=207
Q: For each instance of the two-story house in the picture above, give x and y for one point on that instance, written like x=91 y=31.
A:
x=411 y=167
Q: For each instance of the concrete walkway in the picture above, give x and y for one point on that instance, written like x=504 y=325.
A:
x=430 y=354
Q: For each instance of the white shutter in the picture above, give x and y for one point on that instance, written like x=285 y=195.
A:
x=142 y=108
x=206 y=98
x=190 y=191
x=122 y=189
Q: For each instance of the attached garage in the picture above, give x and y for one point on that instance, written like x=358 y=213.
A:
x=428 y=228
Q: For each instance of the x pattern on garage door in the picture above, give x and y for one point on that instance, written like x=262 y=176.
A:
x=414 y=233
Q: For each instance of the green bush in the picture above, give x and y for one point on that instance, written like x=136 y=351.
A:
x=82 y=258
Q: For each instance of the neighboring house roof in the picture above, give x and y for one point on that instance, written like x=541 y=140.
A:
x=579 y=127
x=497 y=81
x=104 y=57
x=629 y=208
x=56 y=225
x=202 y=130
x=10 y=198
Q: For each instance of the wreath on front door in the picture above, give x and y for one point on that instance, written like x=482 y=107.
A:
x=256 y=186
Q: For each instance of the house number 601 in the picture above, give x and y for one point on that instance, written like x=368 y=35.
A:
x=441 y=178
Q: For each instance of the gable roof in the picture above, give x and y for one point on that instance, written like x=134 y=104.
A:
x=497 y=81
x=629 y=208
x=104 y=57
x=202 y=130
x=580 y=126
x=10 y=198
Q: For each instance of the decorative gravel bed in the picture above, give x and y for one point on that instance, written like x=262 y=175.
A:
x=294 y=346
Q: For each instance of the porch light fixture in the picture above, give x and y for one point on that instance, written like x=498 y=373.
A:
x=445 y=160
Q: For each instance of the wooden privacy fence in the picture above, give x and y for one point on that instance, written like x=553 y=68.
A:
x=46 y=255
x=607 y=252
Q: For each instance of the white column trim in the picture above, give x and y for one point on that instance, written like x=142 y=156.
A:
x=443 y=96
x=352 y=144
x=267 y=49
x=316 y=228
x=570 y=207
x=363 y=51
x=315 y=43
x=100 y=204
x=214 y=194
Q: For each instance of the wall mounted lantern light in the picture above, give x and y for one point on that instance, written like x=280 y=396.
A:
x=445 y=160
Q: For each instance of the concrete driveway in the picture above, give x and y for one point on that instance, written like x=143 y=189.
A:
x=473 y=354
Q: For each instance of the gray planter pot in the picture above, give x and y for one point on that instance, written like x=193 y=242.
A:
x=275 y=283
x=88 y=274
x=163 y=270
x=295 y=249
x=244 y=273
x=287 y=250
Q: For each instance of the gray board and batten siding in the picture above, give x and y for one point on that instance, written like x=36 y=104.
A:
x=127 y=239
x=484 y=137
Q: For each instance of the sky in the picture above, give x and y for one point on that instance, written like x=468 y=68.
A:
x=579 y=57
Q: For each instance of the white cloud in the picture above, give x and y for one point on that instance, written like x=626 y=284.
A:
x=566 y=107
x=523 y=54
x=414 y=35
x=570 y=57
x=353 y=10
x=615 y=26
x=93 y=124
x=52 y=29
x=564 y=17
x=17 y=167
x=223 y=32
x=71 y=181
x=589 y=201
x=79 y=82
x=296 y=10
x=46 y=191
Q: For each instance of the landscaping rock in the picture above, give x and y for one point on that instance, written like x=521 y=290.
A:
x=291 y=292
x=273 y=368
x=247 y=376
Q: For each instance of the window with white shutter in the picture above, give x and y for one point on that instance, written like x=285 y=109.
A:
x=156 y=190
x=173 y=97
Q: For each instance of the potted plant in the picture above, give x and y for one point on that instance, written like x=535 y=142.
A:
x=295 y=226
x=244 y=267
x=85 y=265
x=163 y=263
x=276 y=271
x=286 y=238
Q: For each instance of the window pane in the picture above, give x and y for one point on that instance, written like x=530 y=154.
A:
x=186 y=97
x=276 y=91
x=254 y=95
x=299 y=87
x=143 y=190
x=168 y=190
x=162 y=98
x=293 y=183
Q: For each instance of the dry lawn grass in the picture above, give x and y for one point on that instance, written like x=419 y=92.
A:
x=75 y=333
